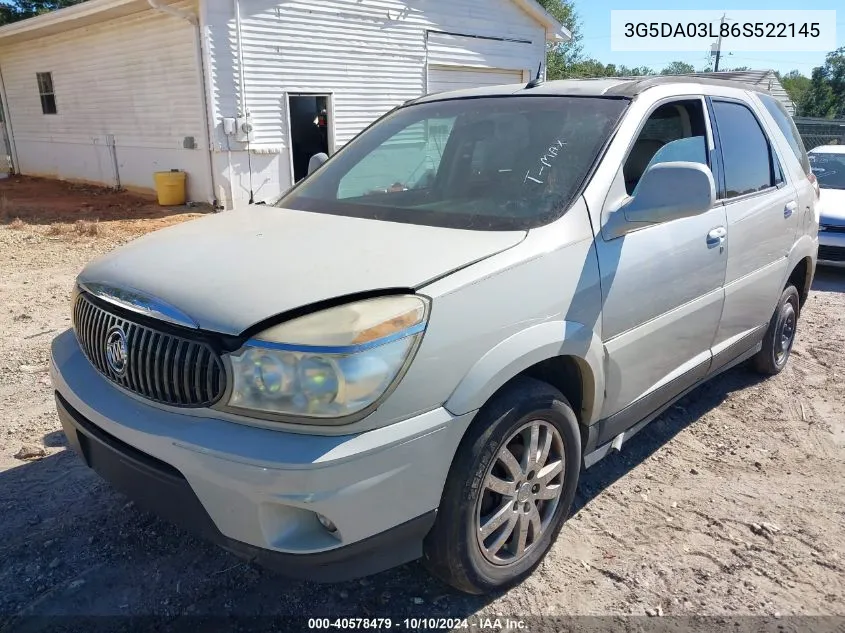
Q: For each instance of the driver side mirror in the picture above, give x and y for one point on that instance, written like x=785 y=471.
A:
x=316 y=161
x=670 y=191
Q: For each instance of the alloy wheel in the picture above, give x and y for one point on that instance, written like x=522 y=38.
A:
x=786 y=333
x=521 y=492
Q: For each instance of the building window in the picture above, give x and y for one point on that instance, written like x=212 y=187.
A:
x=45 y=91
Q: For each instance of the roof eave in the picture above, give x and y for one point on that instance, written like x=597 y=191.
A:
x=555 y=31
x=67 y=18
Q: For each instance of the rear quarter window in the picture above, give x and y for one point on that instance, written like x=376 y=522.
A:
x=790 y=131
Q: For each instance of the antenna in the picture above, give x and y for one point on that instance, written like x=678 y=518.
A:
x=538 y=79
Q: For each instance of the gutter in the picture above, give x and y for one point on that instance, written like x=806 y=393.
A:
x=193 y=19
x=7 y=121
x=555 y=31
x=60 y=16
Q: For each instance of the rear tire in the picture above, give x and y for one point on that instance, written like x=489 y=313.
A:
x=780 y=336
x=487 y=538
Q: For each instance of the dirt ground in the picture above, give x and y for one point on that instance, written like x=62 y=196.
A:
x=731 y=503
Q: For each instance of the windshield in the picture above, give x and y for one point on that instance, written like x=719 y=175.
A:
x=829 y=169
x=487 y=164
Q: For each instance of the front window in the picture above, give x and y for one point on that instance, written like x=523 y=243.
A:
x=488 y=164
x=829 y=169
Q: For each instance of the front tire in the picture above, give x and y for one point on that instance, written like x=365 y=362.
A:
x=509 y=490
x=780 y=336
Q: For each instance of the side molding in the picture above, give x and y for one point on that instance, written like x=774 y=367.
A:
x=524 y=349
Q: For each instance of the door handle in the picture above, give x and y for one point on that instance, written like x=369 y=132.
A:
x=716 y=237
x=789 y=208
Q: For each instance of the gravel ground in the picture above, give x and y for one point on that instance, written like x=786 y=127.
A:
x=731 y=503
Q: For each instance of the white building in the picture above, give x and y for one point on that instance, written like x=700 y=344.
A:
x=762 y=79
x=110 y=91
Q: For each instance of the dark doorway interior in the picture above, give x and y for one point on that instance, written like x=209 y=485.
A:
x=309 y=130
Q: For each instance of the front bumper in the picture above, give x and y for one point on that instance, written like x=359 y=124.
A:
x=257 y=491
x=831 y=248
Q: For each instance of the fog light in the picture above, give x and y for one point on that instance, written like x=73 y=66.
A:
x=324 y=521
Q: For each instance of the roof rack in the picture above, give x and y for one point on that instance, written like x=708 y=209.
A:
x=632 y=86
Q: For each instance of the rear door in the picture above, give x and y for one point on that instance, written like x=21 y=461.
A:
x=762 y=215
x=796 y=163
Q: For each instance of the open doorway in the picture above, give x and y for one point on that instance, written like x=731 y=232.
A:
x=310 y=127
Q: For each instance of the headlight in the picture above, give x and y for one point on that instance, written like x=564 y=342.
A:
x=331 y=364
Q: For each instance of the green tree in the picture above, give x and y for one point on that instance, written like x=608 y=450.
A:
x=678 y=68
x=22 y=9
x=796 y=86
x=562 y=56
x=825 y=96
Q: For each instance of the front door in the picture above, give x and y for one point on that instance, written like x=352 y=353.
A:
x=661 y=285
x=762 y=214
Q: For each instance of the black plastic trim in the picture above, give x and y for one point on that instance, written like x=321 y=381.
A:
x=831 y=253
x=623 y=420
x=312 y=308
x=738 y=348
x=598 y=437
x=161 y=489
x=716 y=153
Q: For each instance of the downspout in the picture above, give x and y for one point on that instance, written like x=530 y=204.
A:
x=242 y=84
x=242 y=105
x=193 y=19
x=10 y=135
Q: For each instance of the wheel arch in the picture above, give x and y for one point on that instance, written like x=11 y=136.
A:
x=801 y=276
x=565 y=354
x=802 y=266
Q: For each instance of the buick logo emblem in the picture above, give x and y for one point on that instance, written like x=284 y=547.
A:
x=117 y=352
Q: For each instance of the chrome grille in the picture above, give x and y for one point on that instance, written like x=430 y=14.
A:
x=160 y=366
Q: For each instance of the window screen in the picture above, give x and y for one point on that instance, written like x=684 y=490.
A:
x=45 y=91
x=745 y=150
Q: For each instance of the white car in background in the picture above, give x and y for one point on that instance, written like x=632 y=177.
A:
x=828 y=164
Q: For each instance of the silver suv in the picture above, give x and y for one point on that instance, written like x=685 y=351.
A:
x=420 y=347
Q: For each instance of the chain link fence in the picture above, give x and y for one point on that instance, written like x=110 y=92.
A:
x=815 y=132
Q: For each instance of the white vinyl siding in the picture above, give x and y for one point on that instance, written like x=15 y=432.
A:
x=444 y=79
x=132 y=81
x=454 y=49
x=371 y=55
x=134 y=77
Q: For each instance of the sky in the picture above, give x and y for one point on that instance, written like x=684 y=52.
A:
x=595 y=26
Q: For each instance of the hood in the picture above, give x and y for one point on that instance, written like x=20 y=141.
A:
x=231 y=270
x=832 y=206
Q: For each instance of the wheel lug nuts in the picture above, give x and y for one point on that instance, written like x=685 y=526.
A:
x=535 y=488
x=527 y=506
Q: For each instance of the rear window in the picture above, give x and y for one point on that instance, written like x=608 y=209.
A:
x=745 y=150
x=787 y=126
x=487 y=164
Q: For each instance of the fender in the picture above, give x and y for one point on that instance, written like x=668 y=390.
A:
x=524 y=349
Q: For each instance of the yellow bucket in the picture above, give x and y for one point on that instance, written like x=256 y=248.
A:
x=170 y=187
